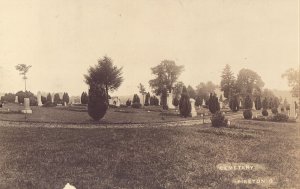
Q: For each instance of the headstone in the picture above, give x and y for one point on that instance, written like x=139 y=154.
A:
x=240 y=103
x=253 y=106
x=27 y=109
x=203 y=102
x=65 y=103
x=39 y=99
x=221 y=105
x=279 y=109
x=16 y=99
x=293 y=111
x=170 y=101
x=193 y=110
x=52 y=97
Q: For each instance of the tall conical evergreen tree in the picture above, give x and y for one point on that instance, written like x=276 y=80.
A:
x=258 y=103
x=184 y=103
x=227 y=81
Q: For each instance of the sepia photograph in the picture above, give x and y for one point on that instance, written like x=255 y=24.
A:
x=149 y=94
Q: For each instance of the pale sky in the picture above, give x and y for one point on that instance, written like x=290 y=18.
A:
x=62 y=38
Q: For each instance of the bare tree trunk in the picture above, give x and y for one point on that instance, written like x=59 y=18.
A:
x=25 y=85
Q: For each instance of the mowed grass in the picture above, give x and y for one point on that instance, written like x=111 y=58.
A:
x=113 y=115
x=176 y=157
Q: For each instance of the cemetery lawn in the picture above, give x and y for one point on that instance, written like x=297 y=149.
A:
x=113 y=115
x=166 y=157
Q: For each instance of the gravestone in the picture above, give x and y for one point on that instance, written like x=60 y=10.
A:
x=221 y=105
x=39 y=99
x=170 y=101
x=203 y=102
x=27 y=109
x=253 y=106
x=240 y=104
x=52 y=97
x=193 y=110
x=293 y=114
x=16 y=99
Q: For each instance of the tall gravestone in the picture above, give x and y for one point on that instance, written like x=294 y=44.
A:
x=203 y=102
x=170 y=101
x=52 y=97
x=16 y=99
x=293 y=111
x=27 y=109
x=193 y=109
x=253 y=106
x=39 y=99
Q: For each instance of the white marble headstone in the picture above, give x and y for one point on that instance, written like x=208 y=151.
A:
x=170 y=101
x=39 y=99
x=27 y=109
x=193 y=110
x=293 y=111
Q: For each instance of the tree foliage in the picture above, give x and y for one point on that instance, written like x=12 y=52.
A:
x=204 y=89
x=177 y=89
x=104 y=74
x=49 y=98
x=23 y=69
x=56 y=99
x=166 y=74
x=265 y=103
x=213 y=103
x=258 y=105
x=234 y=103
x=247 y=81
x=84 y=98
x=248 y=104
x=191 y=92
x=293 y=77
x=184 y=103
x=66 y=98
x=97 y=103
x=227 y=81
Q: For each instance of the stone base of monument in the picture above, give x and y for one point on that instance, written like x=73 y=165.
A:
x=193 y=114
x=26 y=111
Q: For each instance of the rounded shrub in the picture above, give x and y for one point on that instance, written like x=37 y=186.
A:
x=136 y=105
x=128 y=102
x=247 y=114
x=265 y=112
x=175 y=102
x=218 y=120
x=234 y=104
x=280 y=117
x=213 y=104
x=274 y=111
x=97 y=105
x=184 y=103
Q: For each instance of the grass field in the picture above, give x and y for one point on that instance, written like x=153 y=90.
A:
x=113 y=115
x=176 y=157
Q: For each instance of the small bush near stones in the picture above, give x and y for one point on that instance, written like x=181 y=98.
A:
x=265 y=112
x=247 y=114
x=49 y=104
x=218 y=120
x=280 y=118
x=136 y=105
x=274 y=111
